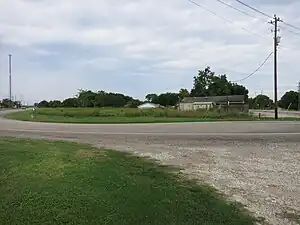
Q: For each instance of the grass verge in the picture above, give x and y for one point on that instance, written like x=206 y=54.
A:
x=47 y=182
x=119 y=115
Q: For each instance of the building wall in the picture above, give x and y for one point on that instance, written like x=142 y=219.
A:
x=202 y=105
x=195 y=106
x=185 y=106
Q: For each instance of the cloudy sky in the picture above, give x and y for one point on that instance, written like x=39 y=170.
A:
x=140 y=46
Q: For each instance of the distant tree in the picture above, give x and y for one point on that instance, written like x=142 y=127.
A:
x=262 y=102
x=183 y=93
x=7 y=103
x=202 y=82
x=17 y=104
x=206 y=83
x=55 y=104
x=133 y=103
x=236 y=89
x=43 y=104
x=289 y=100
x=70 y=103
x=151 y=97
x=250 y=102
x=88 y=98
x=167 y=99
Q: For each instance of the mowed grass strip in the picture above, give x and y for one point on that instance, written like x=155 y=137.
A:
x=54 y=182
x=125 y=115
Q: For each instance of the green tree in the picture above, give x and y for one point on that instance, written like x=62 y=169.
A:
x=7 y=103
x=206 y=83
x=70 y=103
x=251 y=103
x=167 y=99
x=289 y=100
x=86 y=98
x=43 y=104
x=54 y=104
x=133 y=103
x=183 y=93
x=202 y=82
x=262 y=102
x=151 y=97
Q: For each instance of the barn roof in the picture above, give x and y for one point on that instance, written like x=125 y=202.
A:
x=215 y=99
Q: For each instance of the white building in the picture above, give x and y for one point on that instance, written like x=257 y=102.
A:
x=148 y=105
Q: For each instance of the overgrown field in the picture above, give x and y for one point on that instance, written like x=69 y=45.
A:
x=125 y=115
x=128 y=112
x=47 y=183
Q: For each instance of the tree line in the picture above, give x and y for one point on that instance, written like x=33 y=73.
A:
x=7 y=103
x=205 y=83
x=288 y=101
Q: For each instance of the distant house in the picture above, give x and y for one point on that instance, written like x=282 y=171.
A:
x=149 y=105
x=195 y=103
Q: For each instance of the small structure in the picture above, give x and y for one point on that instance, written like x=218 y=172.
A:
x=195 y=103
x=149 y=105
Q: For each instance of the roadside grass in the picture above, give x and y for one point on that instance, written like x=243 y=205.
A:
x=124 y=115
x=55 y=182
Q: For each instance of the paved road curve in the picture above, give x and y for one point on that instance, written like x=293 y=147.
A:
x=255 y=163
x=251 y=128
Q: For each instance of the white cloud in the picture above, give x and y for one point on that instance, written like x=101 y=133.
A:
x=167 y=40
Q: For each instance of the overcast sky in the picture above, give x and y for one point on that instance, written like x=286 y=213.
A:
x=140 y=46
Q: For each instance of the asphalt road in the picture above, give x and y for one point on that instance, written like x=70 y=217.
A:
x=249 y=128
x=255 y=163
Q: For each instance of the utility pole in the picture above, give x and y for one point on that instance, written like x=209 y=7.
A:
x=299 y=96
x=9 y=68
x=276 y=43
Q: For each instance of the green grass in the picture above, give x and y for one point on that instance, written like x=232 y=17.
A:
x=123 y=115
x=47 y=182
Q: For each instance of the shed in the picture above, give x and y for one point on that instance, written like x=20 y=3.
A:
x=195 y=103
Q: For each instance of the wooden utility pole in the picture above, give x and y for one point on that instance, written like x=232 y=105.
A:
x=299 y=96
x=9 y=70
x=276 y=43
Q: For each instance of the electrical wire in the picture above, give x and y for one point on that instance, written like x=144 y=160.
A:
x=291 y=31
x=256 y=10
x=241 y=11
x=223 y=18
x=253 y=73
x=290 y=25
x=247 y=14
x=265 y=14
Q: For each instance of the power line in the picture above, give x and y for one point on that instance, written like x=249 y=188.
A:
x=221 y=17
x=252 y=16
x=265 y=14
x=290 y=25
x=255 y=71
x=291 y=31
x=256 y=10
x=241 y=11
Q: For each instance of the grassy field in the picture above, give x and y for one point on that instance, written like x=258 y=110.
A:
x=124 y=115
x=45 y=182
